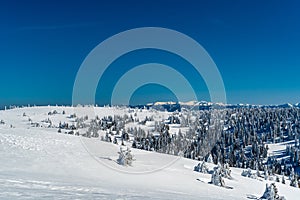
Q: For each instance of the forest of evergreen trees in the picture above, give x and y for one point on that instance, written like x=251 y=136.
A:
x=237 y=136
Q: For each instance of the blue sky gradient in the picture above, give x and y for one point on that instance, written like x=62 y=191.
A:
x=255 y=45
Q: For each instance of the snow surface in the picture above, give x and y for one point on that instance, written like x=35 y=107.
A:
x=40 y=163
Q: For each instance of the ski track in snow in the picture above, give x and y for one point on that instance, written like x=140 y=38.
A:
x=31 y=189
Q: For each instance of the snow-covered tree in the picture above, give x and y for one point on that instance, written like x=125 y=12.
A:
x=248 y=173
x=294 y=181
x=125 y=157
x=226 y=171
x=210 y=159
x=201 y=167
x=266 y=173
x=216 y=177
x=271 y=193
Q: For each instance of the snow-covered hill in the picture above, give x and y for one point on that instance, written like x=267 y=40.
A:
x=37 y=162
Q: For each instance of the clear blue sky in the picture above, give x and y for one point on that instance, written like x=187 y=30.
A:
x=255 y=44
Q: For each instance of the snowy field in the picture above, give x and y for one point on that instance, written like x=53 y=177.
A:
x=40 y=163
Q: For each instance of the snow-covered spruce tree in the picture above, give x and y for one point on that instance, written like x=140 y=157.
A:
x=271 y=193
x=248 y=173
x=266 y=173
x=294 y=181
x=125 y=157
x=283 y=179
x=210 y=159
x=216 y=177
x=201 y=167
x=226 y=171
x=257 y=170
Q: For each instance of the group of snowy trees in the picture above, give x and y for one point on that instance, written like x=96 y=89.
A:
x=223 y=171
x=202 y=167
x=248 y=173
x=217 y=178
x=237 y=136
x=244 y=138
x=271 y=193
x=219 y=173
x=240 y=140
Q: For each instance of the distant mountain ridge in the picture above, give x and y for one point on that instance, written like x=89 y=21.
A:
x=205 y=105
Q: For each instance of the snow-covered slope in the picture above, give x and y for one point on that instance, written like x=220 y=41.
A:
x=40 y=163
